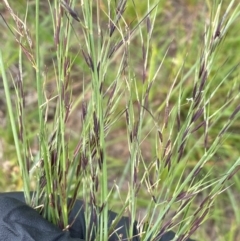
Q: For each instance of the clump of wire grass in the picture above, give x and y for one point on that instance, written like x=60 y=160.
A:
x=60 y=173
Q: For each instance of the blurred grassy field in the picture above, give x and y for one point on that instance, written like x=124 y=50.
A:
x=180 y=29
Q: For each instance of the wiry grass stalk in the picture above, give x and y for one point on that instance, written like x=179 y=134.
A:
x=197 y=108
x=167 y=178
x=22 y=163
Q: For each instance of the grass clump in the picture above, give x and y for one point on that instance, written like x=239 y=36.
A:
x=180 y=193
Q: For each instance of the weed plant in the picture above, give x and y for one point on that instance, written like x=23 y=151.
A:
x=105 y=37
